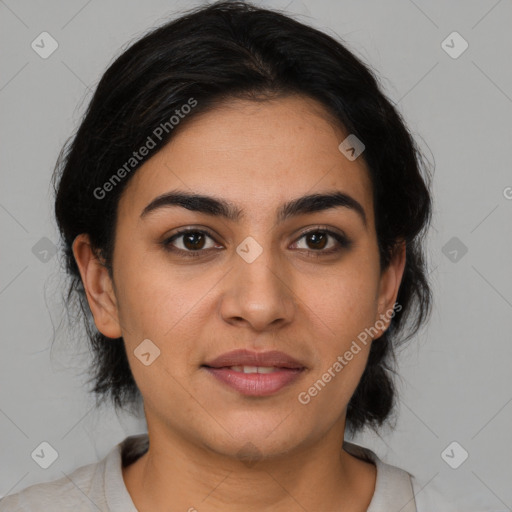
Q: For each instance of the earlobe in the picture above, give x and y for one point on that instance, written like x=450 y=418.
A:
x=98 y=287
x=390 y=281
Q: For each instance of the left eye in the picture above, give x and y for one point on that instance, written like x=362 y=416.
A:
x=317 y=241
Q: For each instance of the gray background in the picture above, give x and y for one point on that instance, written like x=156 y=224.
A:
x=456 y=383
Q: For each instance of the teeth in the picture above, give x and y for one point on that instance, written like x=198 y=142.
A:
x=254 y=369
x=267 y=369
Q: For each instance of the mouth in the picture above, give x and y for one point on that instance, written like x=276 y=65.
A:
x=255 y=373
x=255 y=369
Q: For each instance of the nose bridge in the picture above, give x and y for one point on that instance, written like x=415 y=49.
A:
x=256 y=266
x=258 y=291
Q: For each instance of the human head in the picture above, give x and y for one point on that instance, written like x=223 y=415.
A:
x=236 y=51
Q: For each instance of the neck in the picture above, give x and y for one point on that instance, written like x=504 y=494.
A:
x=175 y=472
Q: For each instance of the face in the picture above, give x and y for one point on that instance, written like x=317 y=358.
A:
x=306 y=282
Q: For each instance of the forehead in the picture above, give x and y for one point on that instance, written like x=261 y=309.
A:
x=255 y=154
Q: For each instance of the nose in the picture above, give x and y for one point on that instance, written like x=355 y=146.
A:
x=258 y=293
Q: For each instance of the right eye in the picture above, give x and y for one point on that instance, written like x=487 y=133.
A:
x=192 y=241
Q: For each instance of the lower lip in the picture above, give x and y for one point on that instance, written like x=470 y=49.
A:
x=256 y=384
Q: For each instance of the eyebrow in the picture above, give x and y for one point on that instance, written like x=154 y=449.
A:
x=222 y=208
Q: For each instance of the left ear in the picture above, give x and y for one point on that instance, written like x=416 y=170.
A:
x=389 y=284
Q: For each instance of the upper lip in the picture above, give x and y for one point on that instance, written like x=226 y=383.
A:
x=247 y=358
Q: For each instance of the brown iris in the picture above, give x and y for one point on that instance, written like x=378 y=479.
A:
x=193 y=241
x=318 y=239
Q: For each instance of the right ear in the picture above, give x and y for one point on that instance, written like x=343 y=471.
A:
x=98 y=287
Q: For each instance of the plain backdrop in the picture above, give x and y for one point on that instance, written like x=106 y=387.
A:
x=456 y=381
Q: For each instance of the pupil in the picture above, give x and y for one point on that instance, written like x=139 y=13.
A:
x=316 y=237
x=189 y=238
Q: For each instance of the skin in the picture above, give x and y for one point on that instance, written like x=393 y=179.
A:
x=257 y=155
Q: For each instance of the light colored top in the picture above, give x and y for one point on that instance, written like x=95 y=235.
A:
x=100 y=486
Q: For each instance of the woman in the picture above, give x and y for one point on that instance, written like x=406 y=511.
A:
x=242 y=212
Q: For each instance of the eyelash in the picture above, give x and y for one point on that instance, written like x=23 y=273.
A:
x=343 y=241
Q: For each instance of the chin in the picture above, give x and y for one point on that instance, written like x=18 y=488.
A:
x=255 y=439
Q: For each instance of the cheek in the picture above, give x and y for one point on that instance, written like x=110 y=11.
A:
x=345 y=303
x=170 y=307
x=152 y=298
x=342 y=308
x=160 y=308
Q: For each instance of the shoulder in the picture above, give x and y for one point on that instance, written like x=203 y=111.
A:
x=62 y=494
x=93 y=487
x=397 y=489
x=430 y=495
x=393 y=486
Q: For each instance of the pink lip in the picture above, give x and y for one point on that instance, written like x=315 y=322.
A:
x=255 y=384
x=248 y=358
